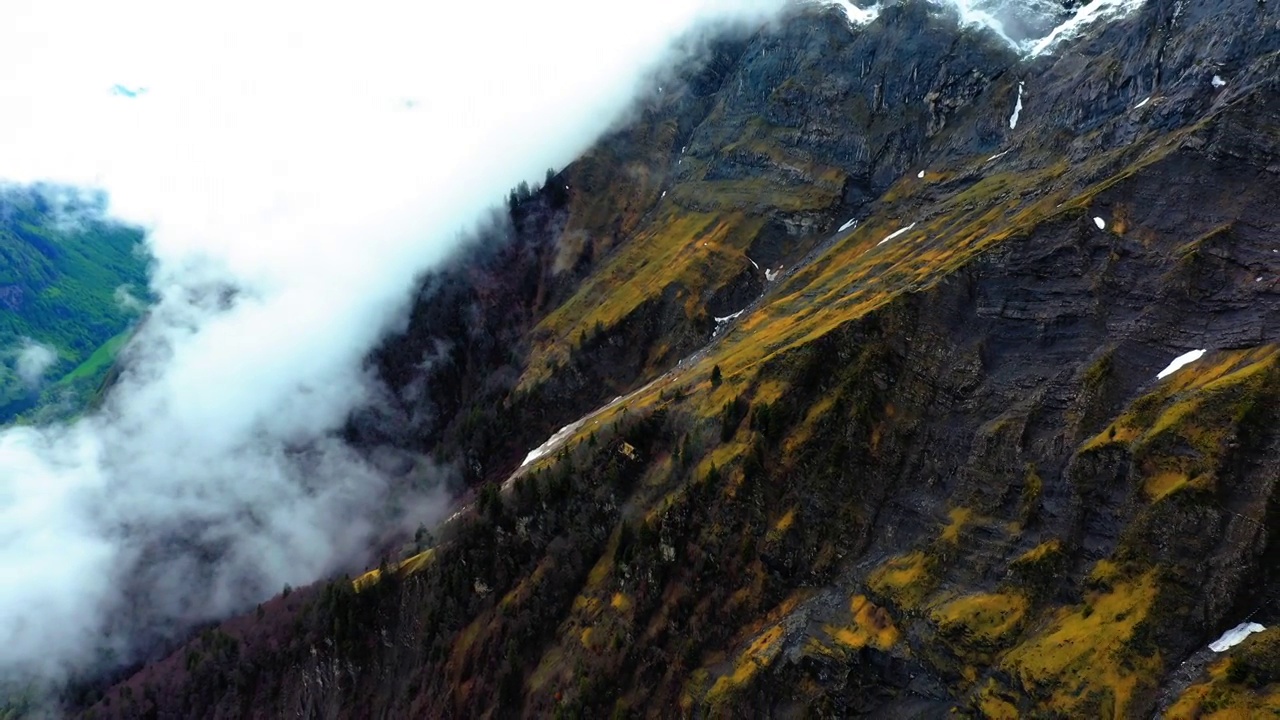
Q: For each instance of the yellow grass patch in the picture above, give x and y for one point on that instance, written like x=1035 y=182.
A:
x=759 y=655
x=1161 y=484
x=404 y=568
x=1040 y=552
x=770 y=391
x=804 y=431
x=785 y=522
x=907 y=579
x=985 y=618
x=1082 y=650
x=958 y=518
x=995 y=707
x=870 y=625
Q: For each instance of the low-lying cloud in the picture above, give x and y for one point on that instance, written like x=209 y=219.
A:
x=296 y=164
x=33 y=361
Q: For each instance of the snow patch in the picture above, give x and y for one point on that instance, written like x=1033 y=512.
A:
x=722 y=321
x=1235 y=636
x=1095 y=11
x=998 y=155
x=895 y=234
x=664 y=194
x=727 y=318
x=1017 y=110
x=921 y=175
x=846 y=226
x=1217 y=81
x=753 y=262
x=561 y=435
x=1178 y=362
x=771 y=275
x=1102 y=224
x=1144 y=102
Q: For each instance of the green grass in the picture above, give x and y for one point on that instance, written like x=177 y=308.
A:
x=99 y=362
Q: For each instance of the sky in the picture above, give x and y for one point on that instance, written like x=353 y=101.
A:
x=296 y=166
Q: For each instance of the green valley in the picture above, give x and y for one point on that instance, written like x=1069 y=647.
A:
x=70 y=289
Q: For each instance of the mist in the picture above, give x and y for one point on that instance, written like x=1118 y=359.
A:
x=33 y=359
x=296 y=167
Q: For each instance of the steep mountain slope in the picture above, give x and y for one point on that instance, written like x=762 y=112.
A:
x=928 y=469
x=64 y=275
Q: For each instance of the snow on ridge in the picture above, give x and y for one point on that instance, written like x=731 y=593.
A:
x=1235 y=636
x=846 y=226
x=1178 y=362
x=980 y=14
x=1144 y=102
x=895 y=234
x=857 y=16
x=1017 y=110
x=976 y=17
x=1085 y=16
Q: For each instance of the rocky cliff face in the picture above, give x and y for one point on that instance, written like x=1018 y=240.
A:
x=929 y=469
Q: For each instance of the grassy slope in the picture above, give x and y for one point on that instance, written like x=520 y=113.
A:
x=855 y=277
x=60 y=280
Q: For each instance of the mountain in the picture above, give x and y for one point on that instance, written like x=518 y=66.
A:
x=851 y=346
x=72 y=283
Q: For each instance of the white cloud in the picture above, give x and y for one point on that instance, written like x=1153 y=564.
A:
x=274 y=152
x=127 y=301
x=32 y=361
